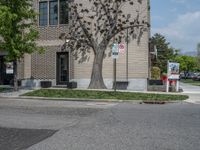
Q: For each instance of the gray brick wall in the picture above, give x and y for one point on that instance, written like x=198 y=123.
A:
x=44 y=65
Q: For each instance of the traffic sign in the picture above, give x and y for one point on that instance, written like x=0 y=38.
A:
x=122 y=48
x=115 y=51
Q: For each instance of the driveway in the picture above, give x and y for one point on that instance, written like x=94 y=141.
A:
x=192 y=91
x=56 y=125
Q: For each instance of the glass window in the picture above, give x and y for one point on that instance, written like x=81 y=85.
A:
x=43 y=13
x=53 y=12
x=64 y=11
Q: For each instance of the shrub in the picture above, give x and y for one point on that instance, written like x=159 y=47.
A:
x=155 y=73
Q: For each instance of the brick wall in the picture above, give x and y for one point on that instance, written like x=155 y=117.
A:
x=44 y=65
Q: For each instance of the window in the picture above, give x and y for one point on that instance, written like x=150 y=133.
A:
x=53 y=12
x=50 y=11
x=63 y=11
x=43 y=13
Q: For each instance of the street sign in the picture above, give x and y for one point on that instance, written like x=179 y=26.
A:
x=173 y=74
x=115 y=51
x=122 y=48
x=173 y=71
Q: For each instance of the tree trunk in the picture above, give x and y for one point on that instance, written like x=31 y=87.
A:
x=96 y=76
x=15 y=75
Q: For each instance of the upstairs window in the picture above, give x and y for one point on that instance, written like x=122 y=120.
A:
x=53 y=12
x=43 y=16
x=64 y=11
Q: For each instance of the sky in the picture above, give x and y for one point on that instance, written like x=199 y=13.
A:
x=178 y=21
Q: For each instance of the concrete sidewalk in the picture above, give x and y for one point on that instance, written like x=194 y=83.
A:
x=11 y=94
x=188 y=88
x=192 y=91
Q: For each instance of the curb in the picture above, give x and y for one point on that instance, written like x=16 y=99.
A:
x=191 y=102
x=80 y=99
x=94 y=100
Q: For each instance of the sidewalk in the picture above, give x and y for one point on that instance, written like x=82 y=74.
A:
x=10 y=93
x=187 y=88
x=192 y=91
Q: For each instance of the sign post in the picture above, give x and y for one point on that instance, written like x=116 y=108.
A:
x=127 y=40
x=115 y=75
x=115 y=55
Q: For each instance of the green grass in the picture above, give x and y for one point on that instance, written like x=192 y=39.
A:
x=190 y=81
x=85 y=94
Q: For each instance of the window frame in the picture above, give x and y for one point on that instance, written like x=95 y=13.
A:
x=67 y=21
x=48 y=15
x=50 y=8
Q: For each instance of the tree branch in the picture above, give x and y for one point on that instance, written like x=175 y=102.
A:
x=86 y=33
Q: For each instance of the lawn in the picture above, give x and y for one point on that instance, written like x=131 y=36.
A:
x=86 y=94
x=190 y=81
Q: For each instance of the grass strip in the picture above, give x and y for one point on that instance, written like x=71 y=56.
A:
x=86 y=94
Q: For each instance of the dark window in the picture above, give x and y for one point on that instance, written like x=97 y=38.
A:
x=64 y=11
x=43 y=13
x=53 y=12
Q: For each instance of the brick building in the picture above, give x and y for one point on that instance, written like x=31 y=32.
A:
x=60 y=67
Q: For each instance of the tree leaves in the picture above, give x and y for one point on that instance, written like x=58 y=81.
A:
x=165 y=52
x=17 y=28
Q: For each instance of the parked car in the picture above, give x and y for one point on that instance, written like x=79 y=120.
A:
x=182 y=76
x=190 y=75
x=196 y=78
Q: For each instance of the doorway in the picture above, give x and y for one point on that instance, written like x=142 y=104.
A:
x=62 y=68
x=6 y=72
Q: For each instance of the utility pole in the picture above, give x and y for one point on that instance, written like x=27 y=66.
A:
x=127 y=55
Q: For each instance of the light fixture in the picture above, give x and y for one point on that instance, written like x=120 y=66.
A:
x=67 y=40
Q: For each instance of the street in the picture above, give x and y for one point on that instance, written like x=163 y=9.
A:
x=51 y=125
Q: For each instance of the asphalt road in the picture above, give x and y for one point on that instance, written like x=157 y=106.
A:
x=18 y=139
x=99 y=126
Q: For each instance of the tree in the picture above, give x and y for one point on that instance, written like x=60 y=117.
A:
x=164 y=52
x=198 y=48
x=187 y=63
x=17 y=30
x=198 y=53
x=93 y=26
x=155 y=73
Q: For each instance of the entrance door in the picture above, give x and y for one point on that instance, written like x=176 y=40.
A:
x=62 y=68
x=2 y=70
x=6 y=72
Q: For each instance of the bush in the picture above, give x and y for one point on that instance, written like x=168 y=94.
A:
x=155 y=73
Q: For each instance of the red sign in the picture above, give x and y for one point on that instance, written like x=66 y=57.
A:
x=122 y=48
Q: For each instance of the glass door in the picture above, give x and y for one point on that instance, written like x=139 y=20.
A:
x=2 y=70
x=6 y=72
x=62 y=68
